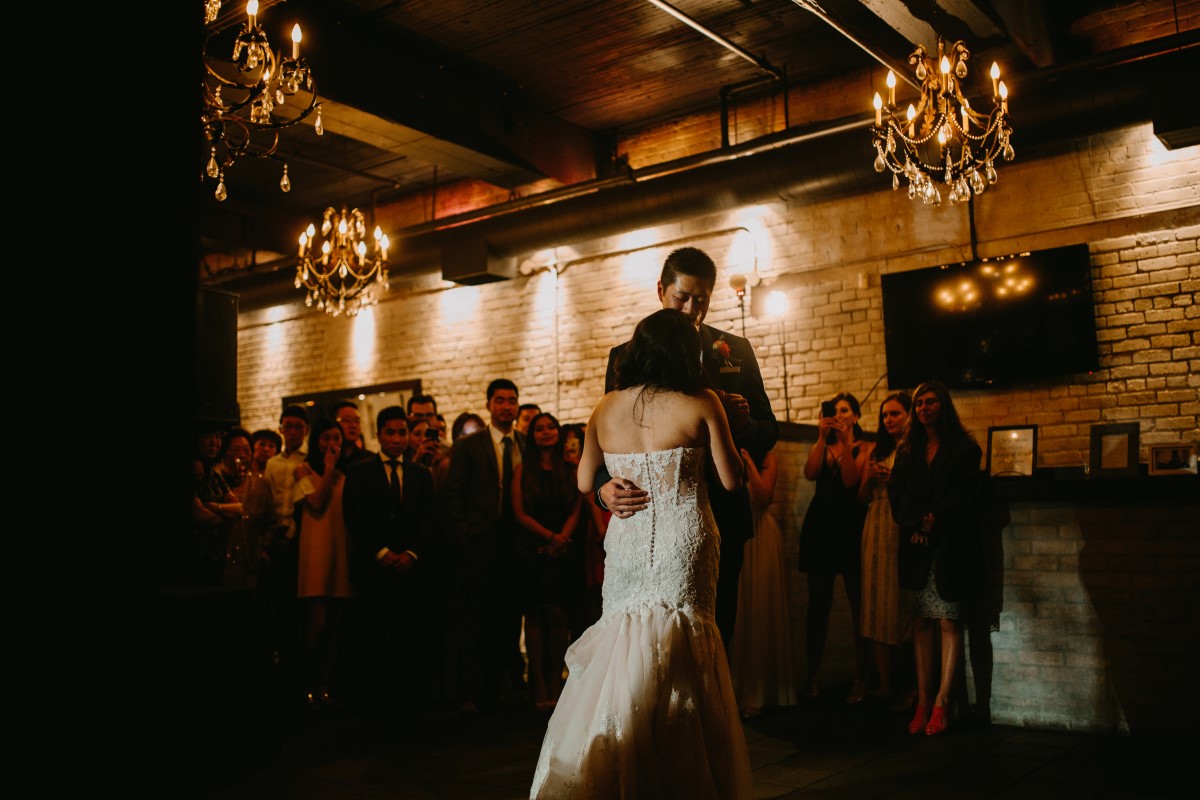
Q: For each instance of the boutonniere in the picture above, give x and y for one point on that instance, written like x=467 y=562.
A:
x=721 y=351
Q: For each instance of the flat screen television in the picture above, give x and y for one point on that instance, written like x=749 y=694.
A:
x=999 y=322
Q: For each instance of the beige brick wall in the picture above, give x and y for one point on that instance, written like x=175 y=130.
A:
x=1135 y=203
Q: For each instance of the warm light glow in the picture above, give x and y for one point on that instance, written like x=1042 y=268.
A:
x=891 y=84
x=878 y=103
x=777 y=304
x=460 y=305
x=363 y=340
x=945 y=66
x=1003 y=91
x=252 y=8
x=995 y=71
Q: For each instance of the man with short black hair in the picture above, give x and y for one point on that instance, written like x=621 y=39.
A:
x=478 y=504
x=388 y=506
x=525 y=415
x=345 y=414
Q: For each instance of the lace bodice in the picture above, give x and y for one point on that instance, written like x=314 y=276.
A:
x=668 y=553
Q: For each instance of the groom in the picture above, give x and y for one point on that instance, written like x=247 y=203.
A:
x=731 y=370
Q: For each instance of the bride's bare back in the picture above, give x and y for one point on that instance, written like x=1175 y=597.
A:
x=644 y=421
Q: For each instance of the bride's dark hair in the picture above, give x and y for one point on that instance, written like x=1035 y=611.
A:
x=663 y=354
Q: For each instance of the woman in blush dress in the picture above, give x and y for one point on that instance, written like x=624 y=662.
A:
x=648 y=708
x=883 y=624
x=323 y=578
x=760 y=652
x=935 y=494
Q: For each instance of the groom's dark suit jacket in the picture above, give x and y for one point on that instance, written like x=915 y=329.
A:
x=737 y=373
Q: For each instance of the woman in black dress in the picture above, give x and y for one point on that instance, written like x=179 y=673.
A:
x=547 y=504
x=935 y=496
x=831 y=535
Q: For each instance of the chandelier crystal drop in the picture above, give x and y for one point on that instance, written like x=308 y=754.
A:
x=341 y=278
x=251 y=97
x=942 y=139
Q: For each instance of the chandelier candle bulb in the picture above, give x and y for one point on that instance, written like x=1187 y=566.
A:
x=878 y=103
x=965 y=107
x=995 y=78
x=912 y=115
x=252 y=12
x=891 y=84
x=296 y=41
x=1003 y=97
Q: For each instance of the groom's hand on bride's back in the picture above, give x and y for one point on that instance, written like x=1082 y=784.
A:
x=623 y=498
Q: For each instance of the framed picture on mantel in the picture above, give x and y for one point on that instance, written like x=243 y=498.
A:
x=1012 y=451
x=1173 y=459
x=1114 y=451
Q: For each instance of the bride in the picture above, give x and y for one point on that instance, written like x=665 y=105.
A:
x=648 y=709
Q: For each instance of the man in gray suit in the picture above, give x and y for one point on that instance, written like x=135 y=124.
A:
x=478 y=504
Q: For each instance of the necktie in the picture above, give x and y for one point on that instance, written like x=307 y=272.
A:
x=506 y=476
x=394 y=478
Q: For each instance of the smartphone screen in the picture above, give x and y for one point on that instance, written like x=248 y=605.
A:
x=828 y=408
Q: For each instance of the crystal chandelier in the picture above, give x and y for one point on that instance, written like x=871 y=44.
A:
x=342 y=279
x=246 y=98
x=942 y=139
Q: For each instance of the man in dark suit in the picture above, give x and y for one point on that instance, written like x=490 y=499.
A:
x=478 y=504
x=731 y=370
x=388 y=508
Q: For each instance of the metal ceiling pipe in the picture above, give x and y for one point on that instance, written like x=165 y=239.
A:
x=809 y=170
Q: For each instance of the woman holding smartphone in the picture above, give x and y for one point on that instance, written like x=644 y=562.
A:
x=831 y=535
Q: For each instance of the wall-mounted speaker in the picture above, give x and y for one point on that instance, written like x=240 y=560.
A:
x=216 y=356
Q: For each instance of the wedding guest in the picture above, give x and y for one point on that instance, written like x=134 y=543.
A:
x=246 y=532
x=213 y=506
x=760 y=656
x=323 y=573
x=421 y=408
x=264 y=445
x=883 y=623
x=465 y=424
x=831 y=534
x=525 y=415
x=388 y=513
x=547 y=508
x=935 y=492
x=478 y=505
x=345 y=414
x=277 y=574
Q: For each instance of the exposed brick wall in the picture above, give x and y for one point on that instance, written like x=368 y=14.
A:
x=1133 y=202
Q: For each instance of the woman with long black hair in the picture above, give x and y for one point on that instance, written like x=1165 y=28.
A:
x=935 y=490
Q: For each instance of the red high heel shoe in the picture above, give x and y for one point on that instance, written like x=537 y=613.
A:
x=937 y=721
x=919 y=720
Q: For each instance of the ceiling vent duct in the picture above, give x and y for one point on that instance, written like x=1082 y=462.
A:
x=472 y=262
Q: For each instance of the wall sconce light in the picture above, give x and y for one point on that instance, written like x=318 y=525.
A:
x=737 y=282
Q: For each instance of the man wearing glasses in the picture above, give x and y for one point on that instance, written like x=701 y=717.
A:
x=345 y=414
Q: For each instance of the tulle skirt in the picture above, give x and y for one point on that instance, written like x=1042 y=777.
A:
x=648 y=711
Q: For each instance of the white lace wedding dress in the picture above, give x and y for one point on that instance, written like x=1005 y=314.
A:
x=648 y=709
